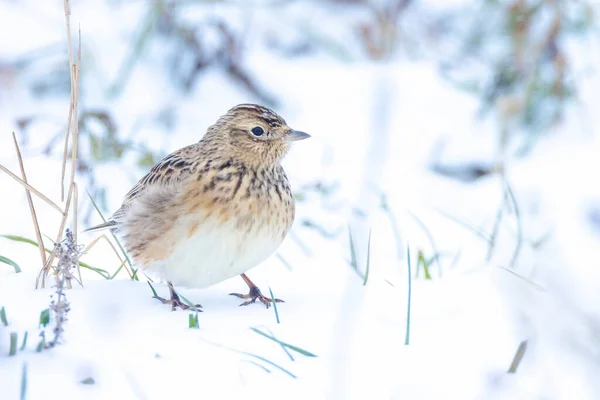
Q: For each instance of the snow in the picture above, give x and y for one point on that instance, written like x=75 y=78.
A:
x=374 y=129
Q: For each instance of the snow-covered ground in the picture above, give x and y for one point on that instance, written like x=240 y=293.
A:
x=374 y=129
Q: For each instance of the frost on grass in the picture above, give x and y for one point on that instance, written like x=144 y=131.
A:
x=67 y=253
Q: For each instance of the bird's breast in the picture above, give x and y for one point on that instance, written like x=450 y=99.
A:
x=215 y=251
x=248 y=198
x=218 y=226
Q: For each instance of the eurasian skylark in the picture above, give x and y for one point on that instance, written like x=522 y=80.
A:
x=214 y=209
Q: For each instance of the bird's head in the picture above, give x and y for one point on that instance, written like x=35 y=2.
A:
x=254 y=134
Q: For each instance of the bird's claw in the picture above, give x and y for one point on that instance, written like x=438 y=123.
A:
x=178 y=303
x=175 y=302
x=254 y=295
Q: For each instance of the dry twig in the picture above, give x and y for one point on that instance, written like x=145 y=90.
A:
x=36 y=225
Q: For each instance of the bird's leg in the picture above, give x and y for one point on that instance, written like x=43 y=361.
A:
x=254 y=294
x=175 y=301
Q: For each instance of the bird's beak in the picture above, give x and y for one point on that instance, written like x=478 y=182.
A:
x=293 y=136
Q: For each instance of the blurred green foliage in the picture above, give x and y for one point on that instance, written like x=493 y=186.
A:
x=515 y=55
x=512 y=54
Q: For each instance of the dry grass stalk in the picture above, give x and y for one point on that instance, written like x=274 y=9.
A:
x=123 y=261
x=46 y=268
x=64 y=161
x=31 y=189
x=36 y=225
x=73 y=130
x=74 y=96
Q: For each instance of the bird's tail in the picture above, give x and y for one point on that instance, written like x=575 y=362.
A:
x=110 y=224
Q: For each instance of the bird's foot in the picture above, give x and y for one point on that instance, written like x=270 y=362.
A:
x=254 y=295
x=175 y=301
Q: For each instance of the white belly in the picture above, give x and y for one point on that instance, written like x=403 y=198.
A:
x=215 y=252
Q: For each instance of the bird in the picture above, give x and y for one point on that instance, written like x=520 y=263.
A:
x=214 y=209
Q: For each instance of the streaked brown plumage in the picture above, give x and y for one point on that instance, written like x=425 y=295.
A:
x=213 y=209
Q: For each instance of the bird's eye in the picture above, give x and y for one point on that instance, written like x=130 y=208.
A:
x=257 y=131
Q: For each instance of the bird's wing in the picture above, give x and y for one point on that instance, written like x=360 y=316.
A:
x=170 y=171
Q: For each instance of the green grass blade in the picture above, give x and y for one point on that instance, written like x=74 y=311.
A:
x=13 y=344
x=134 y=272
x=193 y=321
x=41 y=345
x=24 y=344
x=267 y=370
x=353 y=262
x=21 y=239
x=368 y=260
x=289 y=346
x=407 y=335
x=270 y=363
x=352 y=251
x=95 y=206
x=154 y=294
x=518 y=357
x=529 y=281
x=117 y=271
x=496 y=229
x=253 y=355
x=189 y=303
x=515 y=205
x=429 y=237
x=30 y=241
x=23 y=382
x=422 y=262
x=475 y=231
x=99 y=271
x=284 y=262
x=539 y=242
x=274 y=305
x=44 y=317
x=10 y=262
x=3 y=318
x=287 y=352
